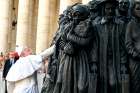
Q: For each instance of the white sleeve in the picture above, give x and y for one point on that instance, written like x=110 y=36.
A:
x=47 y=52
x=24 y=67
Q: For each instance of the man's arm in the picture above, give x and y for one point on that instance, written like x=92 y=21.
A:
x=47 y=52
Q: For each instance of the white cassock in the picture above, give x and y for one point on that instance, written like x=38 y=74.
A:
x=23 y=72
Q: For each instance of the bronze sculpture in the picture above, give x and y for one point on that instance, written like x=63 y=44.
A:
x=132 y=45
x=124 y=10
x=112 y=55
x=91 y=55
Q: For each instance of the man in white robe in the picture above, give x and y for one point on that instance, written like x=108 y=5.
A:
x=23 y=72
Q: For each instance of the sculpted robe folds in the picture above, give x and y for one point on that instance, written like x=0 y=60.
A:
x=112 y=57
x=23 y=74
x=73 y=74
x=133 y=49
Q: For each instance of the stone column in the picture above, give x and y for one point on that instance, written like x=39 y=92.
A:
x=34 y=25
x=65 y=3
x=24 y=22
x=12 y=32
x=32 y=31
x=5 y=23
x=43 y=25
x=54 y=15
x=85 y=1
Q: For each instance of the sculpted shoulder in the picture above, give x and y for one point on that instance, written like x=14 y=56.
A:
x=96 y=21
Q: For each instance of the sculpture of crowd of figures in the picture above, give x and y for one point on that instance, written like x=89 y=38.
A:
x=97 y=49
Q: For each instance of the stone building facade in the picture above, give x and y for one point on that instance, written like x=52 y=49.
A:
x=30 y=23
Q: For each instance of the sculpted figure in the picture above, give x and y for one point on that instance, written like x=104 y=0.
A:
x=124 y=10
x=72 y=69
x=53 y=64
x=133 y=47
x=94 y=8
x=113 y=69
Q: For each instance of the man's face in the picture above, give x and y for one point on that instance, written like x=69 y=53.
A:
x=137 y=10
x=27 y=51
x=124 y=5
x=109 y=9
x=11 y=55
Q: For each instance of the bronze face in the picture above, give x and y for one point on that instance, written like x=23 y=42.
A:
x=124 y=5
x=137 y=10
x=109 y=9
